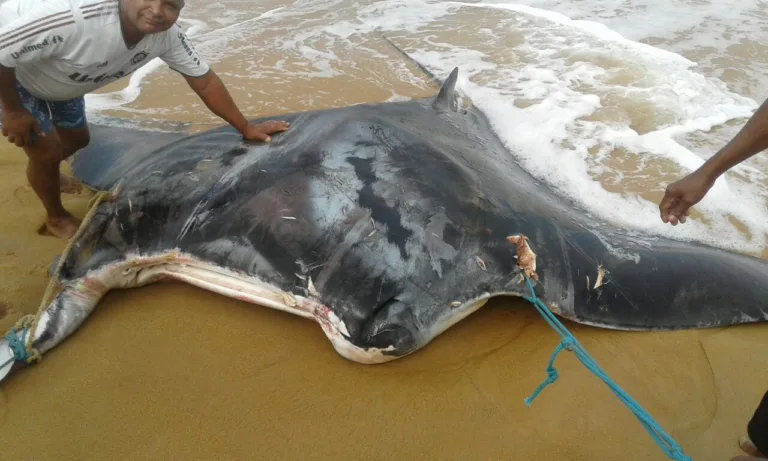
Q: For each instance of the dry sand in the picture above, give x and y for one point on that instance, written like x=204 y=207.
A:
x=174 y=372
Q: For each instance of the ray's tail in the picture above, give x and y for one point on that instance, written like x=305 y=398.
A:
x=33 y=336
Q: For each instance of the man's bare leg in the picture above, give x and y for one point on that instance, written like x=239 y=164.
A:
x=71 y=142
x=45 y=155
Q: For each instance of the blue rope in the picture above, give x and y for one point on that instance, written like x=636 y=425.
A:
x=665 y=442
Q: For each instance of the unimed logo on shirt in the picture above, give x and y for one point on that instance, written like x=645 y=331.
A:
x=37 y=46
x=80 y=78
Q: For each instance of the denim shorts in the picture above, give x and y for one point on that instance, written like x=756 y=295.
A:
x=69 y=115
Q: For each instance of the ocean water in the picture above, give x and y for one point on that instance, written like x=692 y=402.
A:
x=605 y=101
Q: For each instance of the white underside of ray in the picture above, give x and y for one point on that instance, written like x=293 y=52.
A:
x=79 y=297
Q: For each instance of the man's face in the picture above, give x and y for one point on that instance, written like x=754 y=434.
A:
x=152 y=16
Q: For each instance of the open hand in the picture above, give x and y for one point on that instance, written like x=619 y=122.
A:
x=683 y=194
x=262 y=131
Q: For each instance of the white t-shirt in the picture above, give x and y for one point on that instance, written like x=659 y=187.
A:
x=63 y=49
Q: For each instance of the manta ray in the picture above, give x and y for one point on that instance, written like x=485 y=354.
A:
x=385 y=224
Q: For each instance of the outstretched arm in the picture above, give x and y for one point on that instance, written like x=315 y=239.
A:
x=690 y=190
x=183 y=58
x=751 y=140
x=214 y=94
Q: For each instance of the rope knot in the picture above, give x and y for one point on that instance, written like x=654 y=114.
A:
x=552 y=375
x=17 y=344
x=19 y=348
x=24 y=323
x=33 y=356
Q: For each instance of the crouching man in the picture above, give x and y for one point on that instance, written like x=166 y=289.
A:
x=53 y=52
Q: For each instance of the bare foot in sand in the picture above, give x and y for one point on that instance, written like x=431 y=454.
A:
x=62 y=227
x=69 y=184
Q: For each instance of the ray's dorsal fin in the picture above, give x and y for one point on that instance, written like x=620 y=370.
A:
x=446 y=98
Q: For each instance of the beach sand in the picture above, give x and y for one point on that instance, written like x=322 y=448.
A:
x=173 y=372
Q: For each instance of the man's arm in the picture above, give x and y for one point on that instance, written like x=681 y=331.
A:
x=681 y=195
x=9 y=97
x=751 y=139
x=183 y=58
x=214 y=94
x=18 y=124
